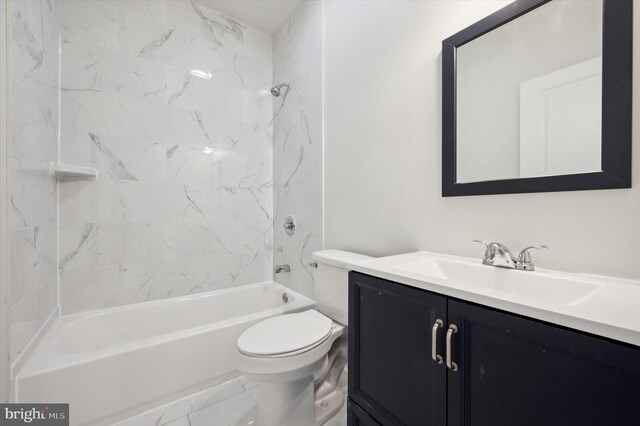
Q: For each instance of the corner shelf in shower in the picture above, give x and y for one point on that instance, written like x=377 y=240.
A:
x=69 y=172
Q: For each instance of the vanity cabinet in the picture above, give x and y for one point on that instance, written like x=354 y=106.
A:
x=391 y=373
x=505 y=369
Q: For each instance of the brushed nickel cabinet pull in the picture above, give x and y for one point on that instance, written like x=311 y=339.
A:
x=434 y=341
x=453 y=329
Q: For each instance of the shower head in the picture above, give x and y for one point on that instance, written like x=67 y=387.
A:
x=276 y=90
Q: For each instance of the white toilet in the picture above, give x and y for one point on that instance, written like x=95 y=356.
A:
x=299 y=357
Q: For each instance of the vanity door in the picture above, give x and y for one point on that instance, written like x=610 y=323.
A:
x=392 y=375
x=357 y=417
x=517 y=371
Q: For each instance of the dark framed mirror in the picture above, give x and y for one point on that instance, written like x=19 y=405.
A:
x=537 y=98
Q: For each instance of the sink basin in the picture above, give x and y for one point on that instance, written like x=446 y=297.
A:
x=600 y=305
x=469 y=275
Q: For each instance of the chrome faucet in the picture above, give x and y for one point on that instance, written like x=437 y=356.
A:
x=499 y=255
x=282 y=268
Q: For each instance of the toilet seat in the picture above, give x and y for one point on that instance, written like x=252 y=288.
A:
x=285 y=335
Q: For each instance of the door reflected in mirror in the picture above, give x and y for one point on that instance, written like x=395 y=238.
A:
x=529 y=95
x=536 y=97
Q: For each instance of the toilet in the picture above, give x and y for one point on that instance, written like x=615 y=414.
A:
x=299 y=357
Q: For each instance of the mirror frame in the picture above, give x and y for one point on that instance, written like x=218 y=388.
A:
x=617 y=63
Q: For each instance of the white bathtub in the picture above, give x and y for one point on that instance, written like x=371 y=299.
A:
x=115 y=363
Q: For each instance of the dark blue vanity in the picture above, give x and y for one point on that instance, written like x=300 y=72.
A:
x=501 y=369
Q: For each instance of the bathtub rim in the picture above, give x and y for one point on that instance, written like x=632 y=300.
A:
x=71 y=318
x=53 y=360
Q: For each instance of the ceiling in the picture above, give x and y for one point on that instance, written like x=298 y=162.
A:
x=265 y=15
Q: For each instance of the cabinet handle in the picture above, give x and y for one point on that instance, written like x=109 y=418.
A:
x=434 y=341
x=453 y=329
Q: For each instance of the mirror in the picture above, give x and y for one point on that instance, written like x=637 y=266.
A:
x=537 y=97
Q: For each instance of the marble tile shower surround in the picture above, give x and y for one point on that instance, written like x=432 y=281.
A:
x=33 y=117
x=169 y=101
x=297 y=144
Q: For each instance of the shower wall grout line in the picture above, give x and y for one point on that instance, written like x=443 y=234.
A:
x=58 y=184
x=5 y=289
x=322 y=133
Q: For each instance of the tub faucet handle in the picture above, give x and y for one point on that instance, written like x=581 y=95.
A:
x=290 y=225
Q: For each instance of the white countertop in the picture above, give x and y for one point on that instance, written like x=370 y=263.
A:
x=611 y=310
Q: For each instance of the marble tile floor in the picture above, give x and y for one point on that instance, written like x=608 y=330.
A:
x=233 y=403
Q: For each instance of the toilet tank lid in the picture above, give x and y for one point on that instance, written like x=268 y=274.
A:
x=339 y=258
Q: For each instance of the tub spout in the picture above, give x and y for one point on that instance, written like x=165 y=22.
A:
x=282 y=268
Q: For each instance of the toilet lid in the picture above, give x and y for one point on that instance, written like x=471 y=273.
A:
x=285 y=333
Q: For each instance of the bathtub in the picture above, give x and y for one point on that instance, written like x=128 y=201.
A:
x=118 y=362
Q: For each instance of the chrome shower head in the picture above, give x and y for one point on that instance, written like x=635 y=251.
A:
x=276 y=90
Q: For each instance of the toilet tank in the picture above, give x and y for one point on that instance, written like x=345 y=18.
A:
x=331 y=283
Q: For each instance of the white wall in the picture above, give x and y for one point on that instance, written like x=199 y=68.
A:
x=383 y=152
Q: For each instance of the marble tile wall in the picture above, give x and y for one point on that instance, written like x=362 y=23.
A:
x=297 y=144
x=33 y=118
x=169 y=101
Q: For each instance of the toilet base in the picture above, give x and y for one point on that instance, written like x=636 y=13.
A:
x=328 y=406
x=287 y=403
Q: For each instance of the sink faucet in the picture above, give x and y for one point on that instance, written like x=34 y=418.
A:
x=282 y=268
x=500 y=253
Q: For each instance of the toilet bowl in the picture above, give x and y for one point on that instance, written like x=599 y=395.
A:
x=300 y=357
x=294 y=369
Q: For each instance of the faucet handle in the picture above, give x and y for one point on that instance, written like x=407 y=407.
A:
x=526 y=256
x=489 y=251
x=523 y=261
